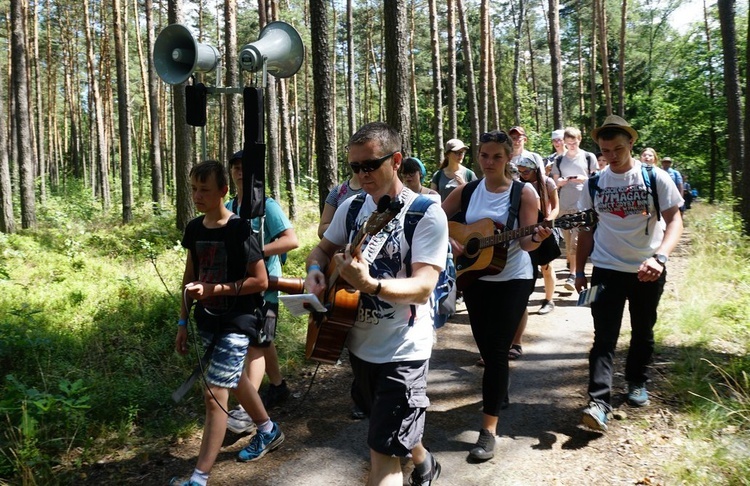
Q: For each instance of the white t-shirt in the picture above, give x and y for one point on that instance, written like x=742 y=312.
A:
x=628 y=233
x=495 y=205
x=381 y=332
x=583 y=164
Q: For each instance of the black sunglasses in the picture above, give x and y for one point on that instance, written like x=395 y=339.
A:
x=370 y=165
x=494 y=136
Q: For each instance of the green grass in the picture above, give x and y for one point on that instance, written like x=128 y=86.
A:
x=706 y=325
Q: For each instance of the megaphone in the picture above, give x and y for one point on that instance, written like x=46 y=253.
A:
x=280 y=46
x=177 y=55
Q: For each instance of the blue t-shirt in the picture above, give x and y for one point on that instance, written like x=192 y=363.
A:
x=274 y=224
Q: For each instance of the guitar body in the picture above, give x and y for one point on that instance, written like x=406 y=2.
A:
x=477 y=261
x=326 y=333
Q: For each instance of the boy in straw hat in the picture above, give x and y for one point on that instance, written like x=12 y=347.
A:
x=629 y=252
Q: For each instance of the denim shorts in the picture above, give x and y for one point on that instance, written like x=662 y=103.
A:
x=394 y=397
x=227 y=359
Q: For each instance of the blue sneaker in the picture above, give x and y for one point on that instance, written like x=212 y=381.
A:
x=637 y=394
x=261 y=444
x=182 y=482
x=595 y=417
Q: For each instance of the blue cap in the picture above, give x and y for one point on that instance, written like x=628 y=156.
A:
x=236 y=156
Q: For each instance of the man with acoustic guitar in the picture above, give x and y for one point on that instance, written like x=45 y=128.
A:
x=390 y=341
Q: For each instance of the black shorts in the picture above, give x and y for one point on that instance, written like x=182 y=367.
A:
x=394 y=397
x=267 y=328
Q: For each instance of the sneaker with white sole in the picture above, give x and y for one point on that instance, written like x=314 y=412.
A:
x=570 y=283
x=261 y=444
x=240 y=422
x=547 y=307
x=427 y=479
x=637 y=394
x=595 y=416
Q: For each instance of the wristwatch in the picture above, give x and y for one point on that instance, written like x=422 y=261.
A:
x=661 y=259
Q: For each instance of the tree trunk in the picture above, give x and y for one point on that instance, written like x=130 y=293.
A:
x=593 y=70
x=437 y=85
x=396 y=70
x=351 y=93
x=22 y=119
x=7 y=220
x=273 y=158
x=233 y=120
x=517 y=64
x=324 y=104
x=154 y=91
x=286 y=140
x=581 y=88
x=471 y=91
x=123 y=110
x=415 y=94
x=556 y=64
x=39 y=110
x=604 y=55
x=182 y=139
x=735 y=143
x=621 y=70
x=713 y=162
x=484 y=40
x=494 y=104
x=100 y=160
x=450 y=75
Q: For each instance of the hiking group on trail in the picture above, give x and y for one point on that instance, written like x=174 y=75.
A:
x=390 y=251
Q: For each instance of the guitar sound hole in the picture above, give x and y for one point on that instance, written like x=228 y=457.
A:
x=472 y=247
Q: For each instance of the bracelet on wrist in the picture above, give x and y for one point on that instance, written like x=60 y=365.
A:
x=378 y=288
x=580 y=275
x=312 y=267
x=182 y=322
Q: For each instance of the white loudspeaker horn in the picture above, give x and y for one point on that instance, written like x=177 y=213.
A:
x=280 y=46
x=177 y=55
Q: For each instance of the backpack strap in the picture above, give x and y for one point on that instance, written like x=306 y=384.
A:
x=558 y=161
x=466 y=191
x=594 y=187
x=515 y=204
x=351 y=215
x=649 y=178
x=413 y=215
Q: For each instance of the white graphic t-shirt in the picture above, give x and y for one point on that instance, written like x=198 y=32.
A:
x=381 y=332
x=628 y=232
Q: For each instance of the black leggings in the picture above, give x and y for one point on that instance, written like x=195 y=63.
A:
x=495 y=310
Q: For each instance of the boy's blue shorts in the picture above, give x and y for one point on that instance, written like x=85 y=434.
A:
x=227 y=360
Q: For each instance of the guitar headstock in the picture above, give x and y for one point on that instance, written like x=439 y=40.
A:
x=387 y=210
x=582 y=219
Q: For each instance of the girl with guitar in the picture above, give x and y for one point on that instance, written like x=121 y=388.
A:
x=496 y=301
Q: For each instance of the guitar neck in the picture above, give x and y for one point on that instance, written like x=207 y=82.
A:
x=290 y=285
x=506 y=236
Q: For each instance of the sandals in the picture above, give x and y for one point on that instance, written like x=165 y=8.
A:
x=515 y=351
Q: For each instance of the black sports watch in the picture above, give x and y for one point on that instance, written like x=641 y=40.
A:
x=661 y=259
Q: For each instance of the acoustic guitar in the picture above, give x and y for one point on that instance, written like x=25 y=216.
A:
x=486 y=243
x=327 y=331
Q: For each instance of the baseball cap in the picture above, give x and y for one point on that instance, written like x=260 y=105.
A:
x=558 y=134
x=454 y=145
x=518 y=130
x=235 y=156
x=667 y=160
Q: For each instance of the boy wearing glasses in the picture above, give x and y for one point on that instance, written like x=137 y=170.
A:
x=390 y=342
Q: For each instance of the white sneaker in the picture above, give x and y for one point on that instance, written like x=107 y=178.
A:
x=240 y=422
x=570 y=283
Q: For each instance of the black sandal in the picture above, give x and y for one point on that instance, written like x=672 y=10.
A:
x=515 y=351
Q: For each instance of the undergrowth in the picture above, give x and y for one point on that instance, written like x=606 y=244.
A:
x=708 y=325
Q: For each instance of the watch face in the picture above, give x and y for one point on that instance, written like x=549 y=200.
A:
x=661 y=259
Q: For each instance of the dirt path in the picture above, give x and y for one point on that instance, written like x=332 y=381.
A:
x=540 y=441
